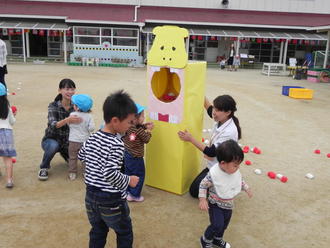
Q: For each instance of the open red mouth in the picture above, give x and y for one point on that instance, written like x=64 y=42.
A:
x=166 y=94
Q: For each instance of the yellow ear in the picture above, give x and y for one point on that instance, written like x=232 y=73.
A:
x=184 y=32
x=156 y=30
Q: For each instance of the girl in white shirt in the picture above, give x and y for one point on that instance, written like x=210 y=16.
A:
x=226 y=127
x=7 y=149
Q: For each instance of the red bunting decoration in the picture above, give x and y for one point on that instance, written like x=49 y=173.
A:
x=213 y=38
x=294 y=41
x=200 y=37
x=69 y=32
x=193 y=37
x=41 y=32
x=306 y=42
x=265 y=40
x=11 y=31
x=18 y=31
x=259 y=40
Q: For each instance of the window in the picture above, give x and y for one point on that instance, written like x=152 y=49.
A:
x=87 y=40
x=97 y=36
x=125 y=32
x=124 y=42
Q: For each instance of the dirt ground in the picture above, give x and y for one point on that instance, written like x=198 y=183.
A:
x=280 y=215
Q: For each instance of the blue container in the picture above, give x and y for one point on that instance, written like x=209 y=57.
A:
x=286 y=89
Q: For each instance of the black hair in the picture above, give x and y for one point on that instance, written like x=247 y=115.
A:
x=65 y=83
x=227 y=103
x=229 y=151
x=119 y=104
x=4 y=107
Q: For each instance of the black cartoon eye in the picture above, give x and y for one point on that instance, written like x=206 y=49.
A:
x=173 y=48
x=162 y=48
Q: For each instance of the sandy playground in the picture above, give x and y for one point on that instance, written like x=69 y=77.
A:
x=280 y=215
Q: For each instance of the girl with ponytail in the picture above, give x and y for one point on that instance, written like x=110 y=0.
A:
x=226 y=128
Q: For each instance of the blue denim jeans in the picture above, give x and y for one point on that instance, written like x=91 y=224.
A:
x=219 y=219
x=134 y=166
x=51 y=147
x=107 y=210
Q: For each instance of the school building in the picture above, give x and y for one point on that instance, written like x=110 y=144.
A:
x=120 y=31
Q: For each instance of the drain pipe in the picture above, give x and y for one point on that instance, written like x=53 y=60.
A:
x=136 y=10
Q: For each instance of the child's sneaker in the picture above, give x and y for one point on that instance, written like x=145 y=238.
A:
x=220 y=243
x=43 y=174
x=206 y=244
x=129 y=198
x=10 y=184
x=139 y=199
x=72 y=176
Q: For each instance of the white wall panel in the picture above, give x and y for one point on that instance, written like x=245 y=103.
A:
x=304 y=6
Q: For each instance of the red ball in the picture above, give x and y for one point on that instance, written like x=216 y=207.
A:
x=203 y=140
x=248 y=162
x=317 y=151
x=271 y=175
x=284 y=179
x=14 y=109
x=13 y=93
x=246 y=149
x=258 y=151
x=13 y=160
x=328 y=155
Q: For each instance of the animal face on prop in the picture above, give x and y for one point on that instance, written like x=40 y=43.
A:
x=168 y=48
x=167 y=59
x=175 y=102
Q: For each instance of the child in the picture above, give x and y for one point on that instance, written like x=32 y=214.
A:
x=7 y=149
x=221 y=184
x=222 y=64
x=236 y=62
x=106 y=190
x=79 y=133
x=134 y=140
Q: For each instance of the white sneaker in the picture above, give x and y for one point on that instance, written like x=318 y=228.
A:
x=72 y=176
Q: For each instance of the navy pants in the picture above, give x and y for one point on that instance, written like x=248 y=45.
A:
x=134 y=166
x=107 y=210
x=219 y=219
x=51 y=147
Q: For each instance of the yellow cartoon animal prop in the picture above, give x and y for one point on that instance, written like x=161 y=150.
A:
x=175 y=102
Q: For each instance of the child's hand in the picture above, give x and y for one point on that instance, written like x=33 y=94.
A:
x=149 y=125
x=185 y=135
x=249 y=192
x=133 y=181
x=203 y=204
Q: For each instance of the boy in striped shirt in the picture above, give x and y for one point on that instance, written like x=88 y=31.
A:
x=106 y=186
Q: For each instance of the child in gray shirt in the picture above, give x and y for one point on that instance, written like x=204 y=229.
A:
x=79 y=133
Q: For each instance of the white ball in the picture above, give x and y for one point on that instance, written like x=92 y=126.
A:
x=204 y=130
x=209 y=130
x=251 y=149
x=279 y=176
x=206 y=141
x=240 y=144
x=309 y=176
x=18 y=88
x=257 y=171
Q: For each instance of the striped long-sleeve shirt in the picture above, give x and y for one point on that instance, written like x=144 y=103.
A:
x=103 y=156
x=135 y=139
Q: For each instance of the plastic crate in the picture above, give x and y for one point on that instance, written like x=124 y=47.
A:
x=299 y=93
x=313 y=79
x=285 y=89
